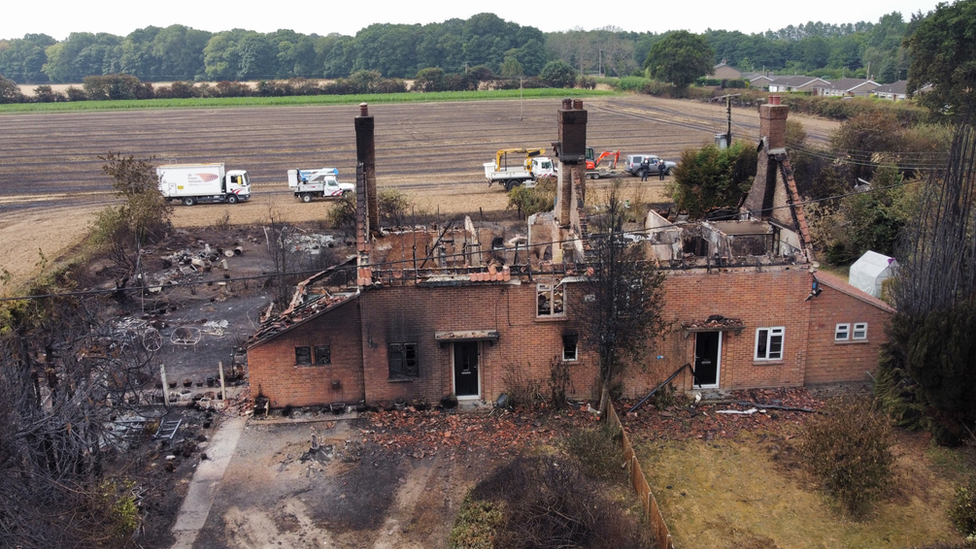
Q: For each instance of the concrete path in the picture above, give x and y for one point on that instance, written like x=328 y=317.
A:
x=203 y=487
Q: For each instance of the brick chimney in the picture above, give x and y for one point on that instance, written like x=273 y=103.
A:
x=366 y=171
x=772 y=122
x=572 y=156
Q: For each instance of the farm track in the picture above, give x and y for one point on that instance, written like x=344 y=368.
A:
x=427 y=148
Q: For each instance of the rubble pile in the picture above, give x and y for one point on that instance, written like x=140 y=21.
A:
x=752 y=409
x=426 y=434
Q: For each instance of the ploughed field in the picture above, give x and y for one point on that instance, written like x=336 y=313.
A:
x=51 y=181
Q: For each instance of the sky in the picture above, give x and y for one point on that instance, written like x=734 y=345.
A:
x=58 y=18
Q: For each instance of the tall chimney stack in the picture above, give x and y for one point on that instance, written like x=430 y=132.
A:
x=572 y=156
x=366 y=168
x=772 y=122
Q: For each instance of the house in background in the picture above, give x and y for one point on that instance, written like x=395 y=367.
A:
x=796 y=83
x=896 y=91
x=757 y=80
x=464 y=310
x=846 y=87
x=725 y=72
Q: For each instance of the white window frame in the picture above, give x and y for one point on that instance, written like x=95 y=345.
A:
x=556 y=308
x=768 y=335
x=842 y=332
x=862 y=328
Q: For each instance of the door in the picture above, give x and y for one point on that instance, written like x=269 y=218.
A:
x=466 y=383
x=708 y=351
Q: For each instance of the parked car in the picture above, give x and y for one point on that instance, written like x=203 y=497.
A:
x=633 y=164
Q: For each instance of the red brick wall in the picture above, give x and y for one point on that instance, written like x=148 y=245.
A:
x=832 y=361
x=273 y=372
x=759 y=299
x=414 y=314
x=399 y=314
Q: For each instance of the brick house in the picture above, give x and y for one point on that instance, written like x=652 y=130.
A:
x=458 y=309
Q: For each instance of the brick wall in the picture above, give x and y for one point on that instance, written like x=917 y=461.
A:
x=415 y=313
x=760 y=299
x=832 y=361
x=272 y=369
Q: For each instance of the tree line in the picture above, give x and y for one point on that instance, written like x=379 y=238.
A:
x=178 y=52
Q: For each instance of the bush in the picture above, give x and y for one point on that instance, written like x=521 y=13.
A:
x=632 y=83
x=849 y=450
x=342 y=214
x=529 y=200
x=475 y=525
x=597 y=450
x=522 y=392
x=710 y=177
x=963 y=510
x=394 y=205
x=548 y=502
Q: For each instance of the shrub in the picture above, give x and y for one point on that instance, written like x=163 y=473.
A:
x=632 y=83
x=342 y=214
x=393 y=207
x=475 y=525
x=529 y=200
x=559 y=382
x=849 y=450
x=597 y=450
x=963 y=510
x=522 y=391
x=548 y=502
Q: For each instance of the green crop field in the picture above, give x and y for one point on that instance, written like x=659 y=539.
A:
x=297 y=100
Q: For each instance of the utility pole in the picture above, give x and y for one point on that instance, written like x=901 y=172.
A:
x=728 y=106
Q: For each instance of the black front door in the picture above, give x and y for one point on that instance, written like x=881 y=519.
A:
x=706 y=358
x=466 y=369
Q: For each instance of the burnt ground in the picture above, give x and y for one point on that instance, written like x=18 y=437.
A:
x=383 y=479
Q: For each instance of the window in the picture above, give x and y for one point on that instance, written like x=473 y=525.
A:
x=860 y=330
x=570 y=343
x=550 y=300
x=303 y=355
x=323 y=354
x=403 y=360
x=842 y=332
x=769 y=343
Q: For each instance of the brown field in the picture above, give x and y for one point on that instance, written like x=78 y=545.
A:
x=51 y=182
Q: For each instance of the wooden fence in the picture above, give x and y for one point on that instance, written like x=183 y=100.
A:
x=639 y=481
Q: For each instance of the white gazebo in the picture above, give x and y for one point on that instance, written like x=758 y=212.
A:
x=868 y=272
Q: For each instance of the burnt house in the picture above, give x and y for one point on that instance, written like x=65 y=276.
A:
x=459 y=310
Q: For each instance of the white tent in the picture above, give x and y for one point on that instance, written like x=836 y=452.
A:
x=868 y=272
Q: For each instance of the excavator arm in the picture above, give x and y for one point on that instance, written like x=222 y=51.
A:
x=529 y=155
x=592 y=164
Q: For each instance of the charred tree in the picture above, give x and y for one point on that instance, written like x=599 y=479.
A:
x=625 y=313
x=926 y=370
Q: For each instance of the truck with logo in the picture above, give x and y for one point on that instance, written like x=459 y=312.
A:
x=321 y=183
x=199 y=183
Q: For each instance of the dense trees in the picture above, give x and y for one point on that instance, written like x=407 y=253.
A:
x=942 y=54
x=178 y=52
